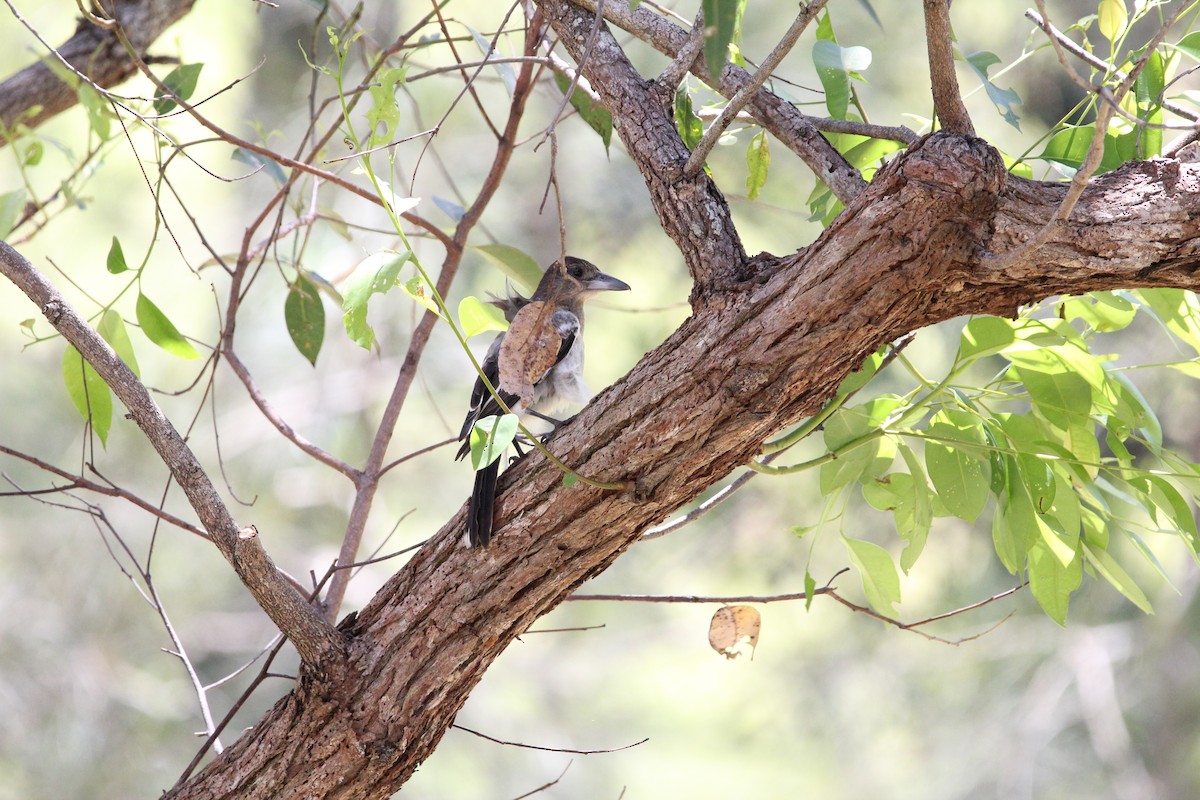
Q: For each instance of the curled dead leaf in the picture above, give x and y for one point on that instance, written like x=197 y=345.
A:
x=733 y=629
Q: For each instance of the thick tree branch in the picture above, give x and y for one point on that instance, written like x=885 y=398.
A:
x=691 y=210
x=795 y=130
x=904 y=255
x=319 y=645
x=752 y=87
x=91 y=51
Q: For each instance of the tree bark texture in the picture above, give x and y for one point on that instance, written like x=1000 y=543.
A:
x=760 y=357
x=91 y=51
x=769 y=341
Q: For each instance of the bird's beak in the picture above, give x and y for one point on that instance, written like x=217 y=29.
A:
x=606 y=283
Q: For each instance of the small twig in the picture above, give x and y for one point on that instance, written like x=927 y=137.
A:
x=545 y=786
x=547 y=749
x=744 y=95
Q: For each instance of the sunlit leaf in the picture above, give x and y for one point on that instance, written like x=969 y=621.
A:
x=88 y=392
x=115 y=263
x=160 y=330
x=475 y=317
x=881 y=581
x=490 y=437
x=733 y=629
x=112 y=329
x=377 y=274
x=758 y=164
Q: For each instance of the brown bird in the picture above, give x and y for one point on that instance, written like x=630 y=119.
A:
x=536 y=367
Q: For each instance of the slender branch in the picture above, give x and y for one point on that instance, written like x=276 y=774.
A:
x=465 y=729
x=947 y=99
x=316 y=641
x=747 y=91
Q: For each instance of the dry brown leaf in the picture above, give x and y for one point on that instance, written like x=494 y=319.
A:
x=528 y=351
x=734 y=628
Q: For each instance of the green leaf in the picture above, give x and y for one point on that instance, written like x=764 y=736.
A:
x=112 y=329
x=984 y=336
x=475 y=317
x=1003 y=99
x=1112 y=19
x=1052 y=583
x=721 y=22
x=98 y=111
x=569 y=479
x=33 y=153
x=1103 y=312
x=89 y=393
x=846 y=427
x=1070 y=145
x=758 y=164
x=961 y=475
x=835 y=66
x=11 y=205
x=1190 y=44
x=1178 y=310
x=591 y=112
x=115 y=263
x=384 y=116
x=260 y=162
x=1061 y=397
x=1179 y=514
x=304 y=315
x=162 y=331
x=922 y=513
x=1107 y=566
x=490 y=437
x=416 y=288
x=690 y=128
x=810 y=589
x=182 y=83
x=377 y=274
x=881 y=581
x=514 y=263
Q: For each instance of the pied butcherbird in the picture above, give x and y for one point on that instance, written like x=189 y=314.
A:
x=536 y=367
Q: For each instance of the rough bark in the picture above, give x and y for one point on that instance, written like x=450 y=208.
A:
x=905 y=255
x=91 y=51
x=771 y=338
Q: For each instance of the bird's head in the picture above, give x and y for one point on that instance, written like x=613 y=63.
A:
x=573 y=279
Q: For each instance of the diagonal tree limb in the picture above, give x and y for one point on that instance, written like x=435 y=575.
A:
x=92 y=51
x=691 y=210
x=795 y=130
x=319 y=645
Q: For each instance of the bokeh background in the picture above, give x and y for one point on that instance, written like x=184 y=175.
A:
x=833 y=703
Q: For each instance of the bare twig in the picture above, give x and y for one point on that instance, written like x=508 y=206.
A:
x=547 y=749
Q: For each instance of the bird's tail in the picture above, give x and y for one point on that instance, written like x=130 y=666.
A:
x=483 y=501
